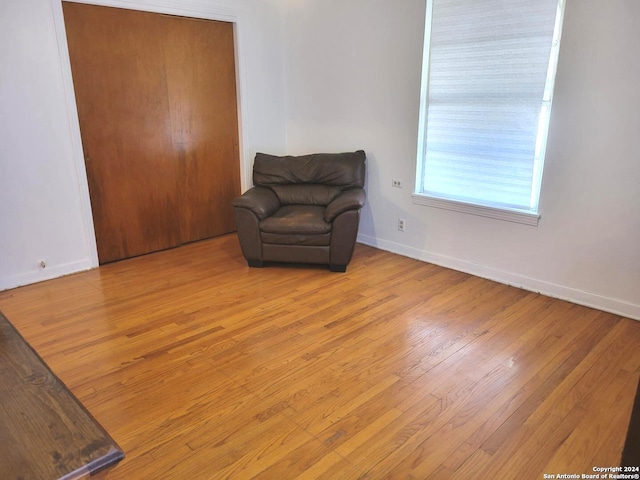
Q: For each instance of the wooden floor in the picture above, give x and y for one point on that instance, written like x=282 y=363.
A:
x=202 y=368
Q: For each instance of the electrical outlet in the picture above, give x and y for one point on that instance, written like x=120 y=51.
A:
x=401 y=224
x=396 y=182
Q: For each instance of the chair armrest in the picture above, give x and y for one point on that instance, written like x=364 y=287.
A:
x=352 y=199
x=260 y=200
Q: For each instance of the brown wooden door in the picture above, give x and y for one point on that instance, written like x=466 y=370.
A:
x=201 y=83
x=157 y=108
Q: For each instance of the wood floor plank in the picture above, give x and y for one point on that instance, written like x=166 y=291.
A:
x=534 y=392
x=201 y=367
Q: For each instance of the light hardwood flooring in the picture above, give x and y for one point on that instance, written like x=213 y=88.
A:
x=202 y=368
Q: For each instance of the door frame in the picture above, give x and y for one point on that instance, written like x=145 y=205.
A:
x=184 y=8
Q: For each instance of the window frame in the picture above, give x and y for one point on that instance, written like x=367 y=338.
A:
x=527 y=217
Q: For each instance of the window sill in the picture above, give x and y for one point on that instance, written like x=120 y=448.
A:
x=516 y=216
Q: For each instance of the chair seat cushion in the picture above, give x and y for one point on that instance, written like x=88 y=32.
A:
x=306 y=194
x=297 y=220
x=300 y=240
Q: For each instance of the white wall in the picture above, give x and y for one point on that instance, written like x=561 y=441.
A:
x=41 y=214
x=351 y=79
x=44 y=208
x=352 y=73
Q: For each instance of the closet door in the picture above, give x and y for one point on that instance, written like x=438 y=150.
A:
x=158 y=117
x=201 y=84
x=117 y=61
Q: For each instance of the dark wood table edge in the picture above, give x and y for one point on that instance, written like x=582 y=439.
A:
x=96 y=466
x=112 y=457
x=631 y=451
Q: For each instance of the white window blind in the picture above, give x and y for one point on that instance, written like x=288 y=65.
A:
x=488 y=78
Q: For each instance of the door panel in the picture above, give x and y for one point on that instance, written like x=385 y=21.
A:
x=201 y=84
x=158 y=118
x=119 y=78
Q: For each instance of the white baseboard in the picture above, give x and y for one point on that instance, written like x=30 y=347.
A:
x=607 y=304
x=573 y=295
x=43 y=274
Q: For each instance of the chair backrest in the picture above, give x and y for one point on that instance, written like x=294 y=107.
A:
x=314 y=179
x=344 y=170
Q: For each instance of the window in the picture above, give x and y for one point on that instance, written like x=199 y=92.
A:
x=488 y=73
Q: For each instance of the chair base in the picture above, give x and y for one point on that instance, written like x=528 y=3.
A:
x=333 y=268
x=338 y=268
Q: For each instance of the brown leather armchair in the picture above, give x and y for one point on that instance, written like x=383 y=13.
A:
x=303 y=209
